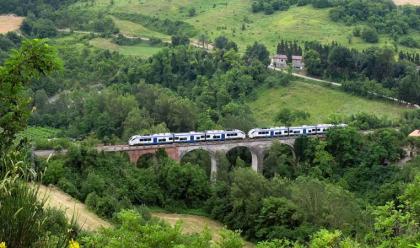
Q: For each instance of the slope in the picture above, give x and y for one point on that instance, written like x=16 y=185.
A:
x=319 y=101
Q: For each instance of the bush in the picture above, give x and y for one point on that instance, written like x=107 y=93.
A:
x=409 y=42
x=370 y=35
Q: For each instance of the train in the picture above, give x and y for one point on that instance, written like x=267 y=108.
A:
x=223 y=135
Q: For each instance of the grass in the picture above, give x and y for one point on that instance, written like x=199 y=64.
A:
x=321 y=102
x=142 y=50
x=134 y=29
x=37 y=133
x=216 y=18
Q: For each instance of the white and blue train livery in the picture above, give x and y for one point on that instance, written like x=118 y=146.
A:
x=222 y=135
x=191 y=137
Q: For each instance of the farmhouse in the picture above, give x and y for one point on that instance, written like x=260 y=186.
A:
x=279 y=61
x=297 y=62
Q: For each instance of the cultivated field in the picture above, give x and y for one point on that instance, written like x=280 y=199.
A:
x=321 y=102
x=413 y=2
x=9 y=23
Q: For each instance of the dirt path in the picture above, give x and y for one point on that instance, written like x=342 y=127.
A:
x=9 y=23
x=194 y=224
x=58 y=199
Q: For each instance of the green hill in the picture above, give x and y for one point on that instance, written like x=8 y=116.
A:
x=321 y=102
x=234 y=19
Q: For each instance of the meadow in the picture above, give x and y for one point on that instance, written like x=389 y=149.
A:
x=234 y=20
x=142 y=50
x=319 y=101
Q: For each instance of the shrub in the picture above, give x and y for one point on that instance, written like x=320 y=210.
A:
x=370 y=35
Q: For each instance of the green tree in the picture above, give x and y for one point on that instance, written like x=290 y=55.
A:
x=35 y=58
x=370 y=35
x=313 y=63
x=287 y=116
x=257 y=52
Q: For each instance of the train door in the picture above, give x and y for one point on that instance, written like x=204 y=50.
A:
x=222 y=137
x=271 y=133
x=155 y=140
x=304 y=131
x=192 y=138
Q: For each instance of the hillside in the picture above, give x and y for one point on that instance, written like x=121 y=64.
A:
x=234 y=20
x=321 y=102
x=72 y=207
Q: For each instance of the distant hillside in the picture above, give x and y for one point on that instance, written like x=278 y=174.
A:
x=320 y=102
x=235 y=20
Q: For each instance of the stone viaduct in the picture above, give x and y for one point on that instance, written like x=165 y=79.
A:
x=257 y=147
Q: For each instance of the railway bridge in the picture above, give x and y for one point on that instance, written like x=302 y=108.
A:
x=257 y=147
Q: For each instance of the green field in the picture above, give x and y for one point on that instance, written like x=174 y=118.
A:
x=141 y=50
x=135 y=29
x=37 y=133
x=321 y=102
x=216 y=18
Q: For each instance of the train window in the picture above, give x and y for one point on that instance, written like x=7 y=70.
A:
x=183 y=138
x=216 y=137
x=162 y=140
x=319 y=129
x=309 y=131
x=176 y=138
x=286 y=131
x=197 y=138
x=171 y=138
x=296 y=132
x=202 y=136
x=207 y=136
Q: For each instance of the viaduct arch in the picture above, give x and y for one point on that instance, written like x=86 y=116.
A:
x=178 y=151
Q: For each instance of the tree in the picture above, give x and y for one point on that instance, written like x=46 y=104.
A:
x=313 y=63
x=191 y=12
x=221 y=42
x=370 y=35
x=287 y=117
x=34 y=59
x=180 y=40
x=257 y=52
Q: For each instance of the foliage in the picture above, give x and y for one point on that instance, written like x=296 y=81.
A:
x=33 y=59
x=287 y=117
x=133 y=231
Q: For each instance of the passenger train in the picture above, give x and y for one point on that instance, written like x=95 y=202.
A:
x=222 y=135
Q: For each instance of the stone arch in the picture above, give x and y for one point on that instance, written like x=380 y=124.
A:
x=212 y=154
x=286 y=148
x=242 y=151
x=207 y=165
